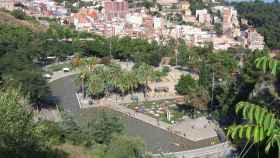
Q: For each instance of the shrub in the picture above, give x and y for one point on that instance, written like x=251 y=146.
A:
x=19 y=14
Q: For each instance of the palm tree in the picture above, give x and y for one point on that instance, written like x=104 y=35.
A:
x=76 y=62
x=261 y=126
x=86 y=67
x=95 y=85
x=127 y=82
x=82 y=79
x=90 y=63
x=144 y=74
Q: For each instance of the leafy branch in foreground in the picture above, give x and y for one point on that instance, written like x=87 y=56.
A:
x=261 y=126
x=267 y=63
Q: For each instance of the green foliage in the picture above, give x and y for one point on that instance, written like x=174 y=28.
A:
x=218 y=28
x=183 y=53
x=196 y=5
x=261 y=126
x=18 y=49
x=148 y=4
x=127 y=147
x=49 y=132
x=105 y=127
x=265 y=17
x=138 y=50
x=19 y=14
x=71 y=131
x=186 y=85
x=267 y=63
x=20 y=136
x=104 y=79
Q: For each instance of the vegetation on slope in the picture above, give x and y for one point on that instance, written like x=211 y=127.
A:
x=265 y=17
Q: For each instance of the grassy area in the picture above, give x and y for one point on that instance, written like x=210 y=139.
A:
x=157 y=109
x=58 y=67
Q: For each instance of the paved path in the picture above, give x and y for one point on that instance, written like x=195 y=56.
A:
x=60 y=74
x=64 y=91
x=215 y=151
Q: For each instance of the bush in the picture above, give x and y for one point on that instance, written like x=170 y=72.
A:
x=165 y=70
x=19 y=14
x=186 y=85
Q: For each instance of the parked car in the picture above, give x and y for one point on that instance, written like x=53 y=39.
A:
x=66 y=69
x=47 y=76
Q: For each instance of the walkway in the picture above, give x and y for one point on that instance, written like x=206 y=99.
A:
x=215 y=151
x=64 y=91
x=60 y=74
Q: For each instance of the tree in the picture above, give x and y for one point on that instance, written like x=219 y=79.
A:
x=264 y=17
x=267 y=63
x=218 y=28
x=19 y=136
x=123 y=146
x=127 y=82
x=183 y=54
x=104 y=128
x=196 y=5
x=186 y=85
x=71 y=131
x=261 y=126
x=19 y=14
x=95 y=85
x=82 y=79
x=18 y=51
x=144 y=74
x=147 y=4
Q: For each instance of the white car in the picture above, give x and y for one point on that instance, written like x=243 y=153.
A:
x=47 y=76
x=66 y=69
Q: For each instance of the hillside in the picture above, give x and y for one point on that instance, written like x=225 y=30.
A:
x=6 y=18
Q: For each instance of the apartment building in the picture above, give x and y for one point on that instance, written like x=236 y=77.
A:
x=8 y=4
x=254 y=39
x=117 y=8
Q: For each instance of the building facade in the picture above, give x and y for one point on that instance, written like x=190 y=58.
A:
x=254 y=39
x=7 y=4
x=114 y=9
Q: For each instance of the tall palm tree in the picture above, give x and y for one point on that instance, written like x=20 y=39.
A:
x=127 y=82
x=86 y=67
x=261 y=126
x=90 y=63
x=95 y=85
x=82 y=79
x=144 y=74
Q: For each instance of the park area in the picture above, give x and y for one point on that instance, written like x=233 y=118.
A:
x=164 y=110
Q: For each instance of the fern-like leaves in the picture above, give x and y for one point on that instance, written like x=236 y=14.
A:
x=267 y=63
x=261 y=124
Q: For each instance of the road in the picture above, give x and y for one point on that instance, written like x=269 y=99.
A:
x=64 y=89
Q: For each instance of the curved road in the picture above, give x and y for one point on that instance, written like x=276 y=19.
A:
x=64 y=91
